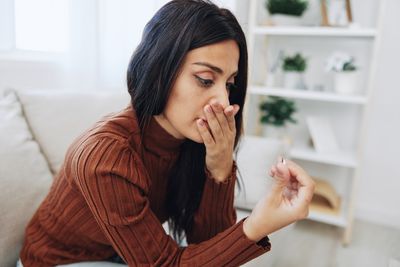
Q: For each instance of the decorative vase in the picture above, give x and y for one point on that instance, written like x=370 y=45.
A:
x=285 y=20
x=293 y=79
x=346 y=83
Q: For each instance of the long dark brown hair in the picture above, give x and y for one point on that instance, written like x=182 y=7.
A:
x=178 y=27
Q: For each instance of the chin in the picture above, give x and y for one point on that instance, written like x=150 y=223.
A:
x=195 y=137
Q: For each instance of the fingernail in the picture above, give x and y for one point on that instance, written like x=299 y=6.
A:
x=208 y=108
x=229 y=110
x=237 y=109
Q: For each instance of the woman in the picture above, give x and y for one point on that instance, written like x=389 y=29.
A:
x=167 y=156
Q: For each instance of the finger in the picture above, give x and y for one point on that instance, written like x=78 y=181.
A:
x=306 y=185
x=205 y=133
x=272 y=171
x=213 y=123
x=222 y=120
x=231 y=112
x=237 y=108
x=281 y=180
x=230 y=117
x=299 y=173
x=283 y=171
x=294 y=185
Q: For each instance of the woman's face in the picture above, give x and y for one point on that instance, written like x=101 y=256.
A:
x=204 y=78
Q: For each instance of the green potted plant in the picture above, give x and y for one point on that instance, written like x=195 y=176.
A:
x=286 y=12
x=345 y=73
x=276 y=113
x=293 y=68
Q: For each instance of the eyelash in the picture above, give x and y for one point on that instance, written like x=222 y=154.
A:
x=208 y=83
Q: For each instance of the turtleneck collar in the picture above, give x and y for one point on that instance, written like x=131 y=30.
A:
x=159 y=141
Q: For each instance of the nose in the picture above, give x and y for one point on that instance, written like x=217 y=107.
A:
x=221 y=96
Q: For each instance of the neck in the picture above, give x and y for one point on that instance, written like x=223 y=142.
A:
x=166 y=125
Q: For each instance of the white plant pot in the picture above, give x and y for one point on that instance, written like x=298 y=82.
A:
x=346 y=83
x=293 y=79
x=285 y=20
x=274 y=132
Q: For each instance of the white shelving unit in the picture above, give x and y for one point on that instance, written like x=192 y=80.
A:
x=348 y=112
x=317 y=96
x=315 y=31
x=340 y=158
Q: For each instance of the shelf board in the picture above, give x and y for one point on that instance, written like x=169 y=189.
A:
x=316 y=31
x=339 y=158
x=309 y=95
x=337 y=220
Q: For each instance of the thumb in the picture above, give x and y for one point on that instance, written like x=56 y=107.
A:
x=281 y=177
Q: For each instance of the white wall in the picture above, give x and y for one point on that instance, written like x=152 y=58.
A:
x=120 y=27
x=74 y=69
x=103 y=36
x=378 y=188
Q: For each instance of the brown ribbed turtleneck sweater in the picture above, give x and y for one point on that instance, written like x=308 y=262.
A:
x=109 y=198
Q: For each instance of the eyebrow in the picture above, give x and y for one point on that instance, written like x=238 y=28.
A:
x=214 y=68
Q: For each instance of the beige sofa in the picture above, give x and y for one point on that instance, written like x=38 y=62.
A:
x=36 y=128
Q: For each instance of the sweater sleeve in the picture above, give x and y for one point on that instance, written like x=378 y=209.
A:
x=114 y=183
x=216 y=212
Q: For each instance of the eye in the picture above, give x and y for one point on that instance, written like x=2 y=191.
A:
x=204 y=82
x=231 y=86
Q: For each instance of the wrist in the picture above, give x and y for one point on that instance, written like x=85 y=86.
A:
x=250 y=231
x=222 y=175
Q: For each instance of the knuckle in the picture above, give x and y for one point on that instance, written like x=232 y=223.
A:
x=217 y=131
x=211 y=144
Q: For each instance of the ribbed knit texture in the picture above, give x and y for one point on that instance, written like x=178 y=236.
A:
x=109 y=198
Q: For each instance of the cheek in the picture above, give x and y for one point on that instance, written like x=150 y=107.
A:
x=181 y=115
x=183 y=120
x=185 y=102
x=185 y=106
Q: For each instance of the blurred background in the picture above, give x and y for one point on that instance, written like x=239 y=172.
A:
x=322 y=92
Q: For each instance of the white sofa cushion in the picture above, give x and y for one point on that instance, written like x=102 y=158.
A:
x=24 y=177
x=255 y=157
x=57 y=117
